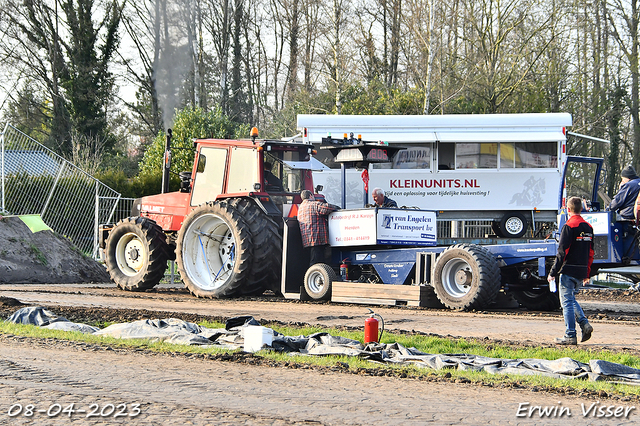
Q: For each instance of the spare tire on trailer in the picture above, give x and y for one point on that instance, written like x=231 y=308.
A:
x=266 y=264
x=466 y=277
x=214 y=251
x=537 y=299
x=136 y=254
x=513 y=225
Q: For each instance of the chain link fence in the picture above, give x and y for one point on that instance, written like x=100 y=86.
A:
x=36 y=180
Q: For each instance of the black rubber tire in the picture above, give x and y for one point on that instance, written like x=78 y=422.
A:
x=466 y=277
x=537 y=300
x=266 y=264
x=513 y=225
x=495 y=227
x=318 y=280
x=136 y=254
x=201 y=257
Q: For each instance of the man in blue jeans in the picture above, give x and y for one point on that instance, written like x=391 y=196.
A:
x=573 y=264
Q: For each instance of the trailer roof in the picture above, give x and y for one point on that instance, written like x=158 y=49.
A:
x=541 y=127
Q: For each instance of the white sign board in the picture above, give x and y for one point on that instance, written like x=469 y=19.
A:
x=352 y=228
x=451 y=190
x=599 y=222
x=382 y=226
x=406 y=227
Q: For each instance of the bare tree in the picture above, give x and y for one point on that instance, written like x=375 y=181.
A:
x=623 y=17
x=143 y=24
x=495 y=51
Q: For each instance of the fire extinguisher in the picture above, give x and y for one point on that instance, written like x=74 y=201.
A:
x=371 y=328
x=344 y=269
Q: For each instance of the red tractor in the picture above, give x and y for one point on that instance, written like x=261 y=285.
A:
x=224 y=226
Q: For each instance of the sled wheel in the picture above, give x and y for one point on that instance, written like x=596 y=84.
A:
x=318 y=280
x=466 y=277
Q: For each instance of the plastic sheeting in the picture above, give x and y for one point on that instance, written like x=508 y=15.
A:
x=177 y=331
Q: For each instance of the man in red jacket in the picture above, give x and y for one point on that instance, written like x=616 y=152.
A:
x=573 y=264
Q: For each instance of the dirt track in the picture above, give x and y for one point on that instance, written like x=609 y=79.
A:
x=190 y=390
x=615 y=322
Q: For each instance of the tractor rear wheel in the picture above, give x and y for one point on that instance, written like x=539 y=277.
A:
x=466 y=277
x=266 y=264
x=136 y=254
x=214 y=251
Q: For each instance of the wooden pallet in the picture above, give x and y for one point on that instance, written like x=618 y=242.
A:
x=381 y=294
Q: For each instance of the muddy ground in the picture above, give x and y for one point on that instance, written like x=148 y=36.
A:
x=247 y=389
x=616 y=320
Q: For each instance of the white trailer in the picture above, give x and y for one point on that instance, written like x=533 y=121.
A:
x=501 y=167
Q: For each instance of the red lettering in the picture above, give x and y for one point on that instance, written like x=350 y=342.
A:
x=468 y=183
x=393 y=184
x=475 y=184
x=418 y=183
x=457 y=182
x=437 y=183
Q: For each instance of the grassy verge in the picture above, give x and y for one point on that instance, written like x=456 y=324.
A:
x=427 y=344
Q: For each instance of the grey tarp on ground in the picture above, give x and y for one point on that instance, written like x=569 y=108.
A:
x=181 y=332
x=169 y=330
x=47 y=319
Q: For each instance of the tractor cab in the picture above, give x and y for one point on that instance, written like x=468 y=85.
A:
x=273 y=173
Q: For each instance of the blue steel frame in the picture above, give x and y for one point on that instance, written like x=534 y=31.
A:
x=394 y=265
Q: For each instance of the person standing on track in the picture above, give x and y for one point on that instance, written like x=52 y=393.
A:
x=573 y=265
x=312 y=218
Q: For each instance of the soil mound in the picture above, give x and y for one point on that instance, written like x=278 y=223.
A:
x=44 y=257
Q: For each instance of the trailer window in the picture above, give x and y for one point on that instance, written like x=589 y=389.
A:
x=507 y=156
x=530 y=155
x=477 y=155
x=414 y=157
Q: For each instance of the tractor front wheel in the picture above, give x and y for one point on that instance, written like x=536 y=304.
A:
x=136 y=254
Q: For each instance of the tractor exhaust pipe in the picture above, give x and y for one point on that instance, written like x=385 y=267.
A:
x=166 y=166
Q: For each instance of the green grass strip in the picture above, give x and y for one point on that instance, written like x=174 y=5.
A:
x=427 y=344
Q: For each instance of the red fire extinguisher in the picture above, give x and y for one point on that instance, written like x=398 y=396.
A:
x=344 y=269
x=371 y=328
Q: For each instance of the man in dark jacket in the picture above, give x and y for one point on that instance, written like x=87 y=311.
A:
x=573 y=264
x=624 y=200
x=382 y=200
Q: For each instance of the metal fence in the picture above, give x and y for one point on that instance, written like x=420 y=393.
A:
x=36 y=180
